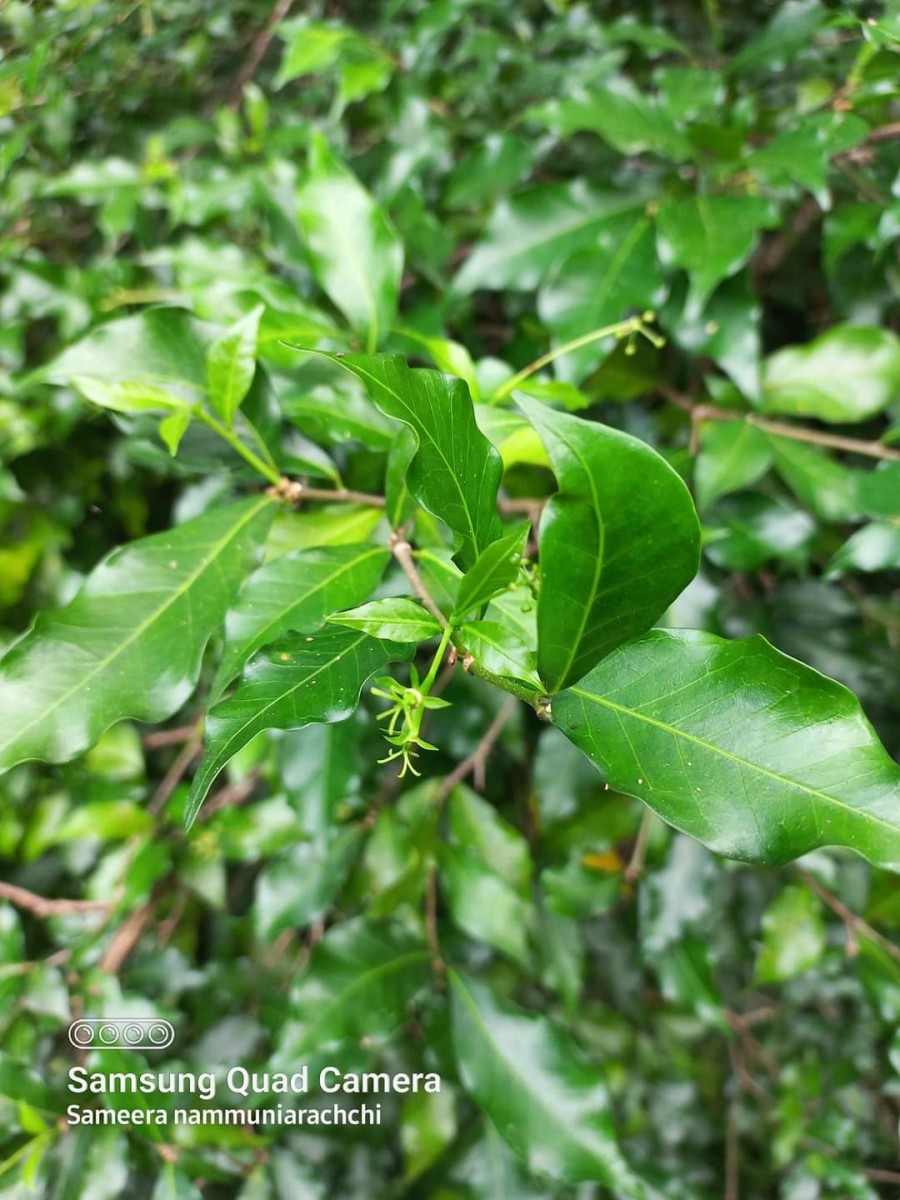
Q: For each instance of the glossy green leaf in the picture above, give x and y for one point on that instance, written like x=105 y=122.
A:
x=173 y=428
x=128 y=396
x=599 y=286
x=823 y=485
x=618 y=543
x=754 y=754
x=303 y=678
x=544 y=1099
x=727 y=331
x=848 y=374
x=710 y=237
x=628 y=118
x=493 y=571
x=456 y=471
x=231 y=363
x=354 y=250
x=131 y=643
x=326 y=525
x=794 y=937
x=295 y=592
x=163 y=347
x=396 y=618
x=356 y=991
x=501 y=650
x=733 y=454
x=483 y=905
x=875 y=547
x=529 y=232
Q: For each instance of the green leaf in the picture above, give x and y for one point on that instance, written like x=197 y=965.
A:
x=456 y=472
x=173 y=428
x=299 y=886
x=752 y=753
x=848 y=374
x=596 y=287
x=295 y=592
x=165 y=347
x=733 y=454
x=618 y=542
x=875 y=547
x=356 y=990
x=299 y=680
x=826 y=487
x=794 y=936
x=878 y=491
x=544 y=1099
x=630 y=120
x=353 y=248
x=130 y=644
x=326 y=525
x=501 y=650
x=494 y=570
x=710 y=237
x=396 y=618
x=231 y=364
x=530 y=232
x=486 y=875
x=129 y=396
x=483 y=905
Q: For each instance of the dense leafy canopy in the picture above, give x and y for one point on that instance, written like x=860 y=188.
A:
x=450 y=493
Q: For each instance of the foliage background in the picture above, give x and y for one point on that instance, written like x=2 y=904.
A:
x=167 y=153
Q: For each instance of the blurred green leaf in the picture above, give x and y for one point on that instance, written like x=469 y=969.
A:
x=354 y=250
x=846 y=375
x=544 y=1099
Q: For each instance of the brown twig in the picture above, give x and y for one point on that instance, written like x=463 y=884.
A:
x=855 y=925
x=732 y=1156
x=476 y=761
x=259 y=47
x=41 y=906
x=168 y=737
x=231 y=796
x=127 y=937
x=797 y=433
x=175 y=773
x=880 y=1175
x=402 y=551
x=296 y=492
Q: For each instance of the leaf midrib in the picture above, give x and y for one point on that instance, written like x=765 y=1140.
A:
x=322 y=583
x=421 y=429
x=736 y=758
x=525 y=1087
x=140 y=629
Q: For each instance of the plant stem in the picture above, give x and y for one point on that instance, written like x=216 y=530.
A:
x=521 y=691
x=815 y=437
x=437 y=660
x=229 y=436
x=621 y=329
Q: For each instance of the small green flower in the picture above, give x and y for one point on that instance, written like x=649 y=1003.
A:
x=404 y=717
